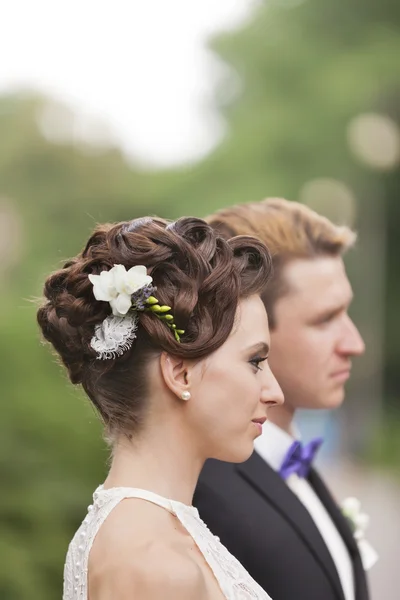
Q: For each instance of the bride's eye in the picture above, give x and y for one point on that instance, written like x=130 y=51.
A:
x=257 y=360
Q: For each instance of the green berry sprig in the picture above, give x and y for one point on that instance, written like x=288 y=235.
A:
x=163 y=313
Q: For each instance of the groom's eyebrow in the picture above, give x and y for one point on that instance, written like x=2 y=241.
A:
x=261 y=347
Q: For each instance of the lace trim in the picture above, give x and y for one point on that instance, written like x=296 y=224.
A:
x=114 y=336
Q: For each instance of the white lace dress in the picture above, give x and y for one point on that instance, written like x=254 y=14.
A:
x=233 y=579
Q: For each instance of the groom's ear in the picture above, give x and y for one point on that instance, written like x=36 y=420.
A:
x=176 y=373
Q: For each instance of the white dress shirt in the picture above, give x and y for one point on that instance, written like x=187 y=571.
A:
x=272 y=446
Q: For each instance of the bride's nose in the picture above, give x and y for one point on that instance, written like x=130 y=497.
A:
x=271 y=393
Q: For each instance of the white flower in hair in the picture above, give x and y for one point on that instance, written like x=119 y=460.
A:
x=125 y=290
x=117 y=285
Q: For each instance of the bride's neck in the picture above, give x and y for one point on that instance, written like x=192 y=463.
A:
x=162 y=460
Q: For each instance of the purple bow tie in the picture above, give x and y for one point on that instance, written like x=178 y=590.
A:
x=298 y=458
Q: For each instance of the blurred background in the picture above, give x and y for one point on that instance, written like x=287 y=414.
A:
x=110 y=111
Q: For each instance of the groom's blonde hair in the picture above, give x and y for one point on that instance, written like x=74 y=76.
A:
x=290 y=230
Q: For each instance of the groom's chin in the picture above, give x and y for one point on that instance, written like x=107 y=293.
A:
x=327 y=397
x=334 y=399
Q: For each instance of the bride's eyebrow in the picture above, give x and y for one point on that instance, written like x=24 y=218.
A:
x=261 y=347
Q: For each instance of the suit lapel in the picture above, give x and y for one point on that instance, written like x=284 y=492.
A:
x=344 y=529
x=268 y=483
x=334 y=511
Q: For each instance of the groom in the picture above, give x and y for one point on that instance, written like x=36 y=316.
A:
x=274 y=512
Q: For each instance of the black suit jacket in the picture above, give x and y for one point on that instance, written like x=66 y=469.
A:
x=263 y=523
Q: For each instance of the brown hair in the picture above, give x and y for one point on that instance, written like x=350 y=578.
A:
x=200 y=275
x=290 y=230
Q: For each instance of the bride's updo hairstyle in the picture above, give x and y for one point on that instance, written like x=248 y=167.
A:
x=195 y=272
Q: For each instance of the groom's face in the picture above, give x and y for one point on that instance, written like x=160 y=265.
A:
x=314 y=339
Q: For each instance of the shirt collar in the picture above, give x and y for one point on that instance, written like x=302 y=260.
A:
x=273 y=444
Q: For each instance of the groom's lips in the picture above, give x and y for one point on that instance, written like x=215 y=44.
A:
x=341 y=375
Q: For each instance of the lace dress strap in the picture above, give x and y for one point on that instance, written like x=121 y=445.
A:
x=234 y=581
x=126 y=492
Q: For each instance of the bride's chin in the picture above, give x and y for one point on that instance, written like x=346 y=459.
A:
x=237 y=454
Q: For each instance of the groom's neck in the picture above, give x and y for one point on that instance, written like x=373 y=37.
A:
x=282 y=416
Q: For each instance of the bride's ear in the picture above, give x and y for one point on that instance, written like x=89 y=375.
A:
x=176 y=373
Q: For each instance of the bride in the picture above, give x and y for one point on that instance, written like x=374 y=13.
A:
x=163 y=326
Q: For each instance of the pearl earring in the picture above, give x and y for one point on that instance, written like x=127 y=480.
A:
x=186 y=396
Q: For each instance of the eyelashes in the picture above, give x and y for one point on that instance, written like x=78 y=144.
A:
x=257 y=360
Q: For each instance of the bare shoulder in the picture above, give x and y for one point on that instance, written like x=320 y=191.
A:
x=142 y=551
x=157 y=571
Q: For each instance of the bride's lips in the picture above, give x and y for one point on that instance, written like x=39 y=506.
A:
x=259 y=423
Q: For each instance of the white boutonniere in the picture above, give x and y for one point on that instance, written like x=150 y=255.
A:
x=359 y=521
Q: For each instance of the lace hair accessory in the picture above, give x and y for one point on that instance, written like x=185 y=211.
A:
x=128 y=293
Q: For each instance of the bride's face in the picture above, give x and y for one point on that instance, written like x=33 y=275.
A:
x=233 y=388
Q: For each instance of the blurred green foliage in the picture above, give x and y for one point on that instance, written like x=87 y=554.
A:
x=305 y=71
x=384 y=451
